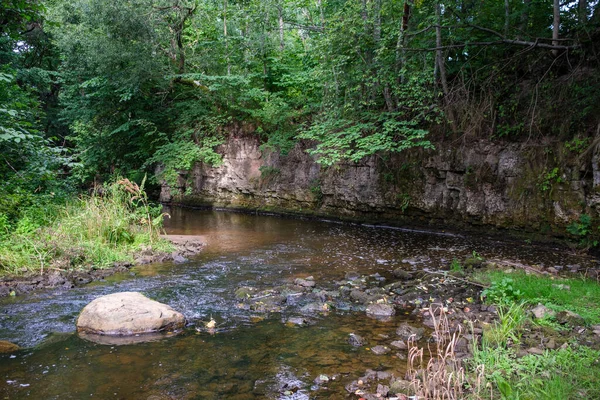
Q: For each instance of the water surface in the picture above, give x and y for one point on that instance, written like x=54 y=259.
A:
x=251 y=355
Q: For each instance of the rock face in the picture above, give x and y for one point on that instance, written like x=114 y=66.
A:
x=127 y=313
x=487 y=183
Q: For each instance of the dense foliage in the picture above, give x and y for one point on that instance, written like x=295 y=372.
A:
x=92 y=88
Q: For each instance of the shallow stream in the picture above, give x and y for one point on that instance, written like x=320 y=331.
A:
x=251 y=355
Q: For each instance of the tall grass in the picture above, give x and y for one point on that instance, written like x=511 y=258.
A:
x=443 y=376
x=90 y=231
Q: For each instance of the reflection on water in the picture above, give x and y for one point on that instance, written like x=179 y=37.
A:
x=250 y=356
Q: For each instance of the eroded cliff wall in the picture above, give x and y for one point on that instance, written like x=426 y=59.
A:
x=529 y=187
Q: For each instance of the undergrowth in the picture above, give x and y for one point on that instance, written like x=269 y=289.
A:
x=89 y=232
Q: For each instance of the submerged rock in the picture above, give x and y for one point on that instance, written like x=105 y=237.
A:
x=7 y=347
x=405 y=331
x=399 y=344
x=380 y=350
x=380 y=310
x=127 y=313
x=305 y=283
x=403 y=274
x=356 y=340
x=244 y=292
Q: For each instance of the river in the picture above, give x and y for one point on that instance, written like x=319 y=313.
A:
x=251 y=354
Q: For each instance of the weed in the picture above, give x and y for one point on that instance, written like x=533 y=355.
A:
x=403 y=201
x=577 y=145
x=505 y=331
x=502 y=292
x=266 y=171
x=582 y=228
x=549 y=178
x=317 y=192
x=455 y=266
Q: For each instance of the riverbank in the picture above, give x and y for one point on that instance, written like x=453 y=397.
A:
x=183 y=247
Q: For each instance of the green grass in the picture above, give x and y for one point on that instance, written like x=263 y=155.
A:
x=90 y=231
x=583 y=297
x=506 y=329
x=570 y=373
x=567 y=373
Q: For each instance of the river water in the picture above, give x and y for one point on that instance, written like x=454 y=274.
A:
x=251 y=355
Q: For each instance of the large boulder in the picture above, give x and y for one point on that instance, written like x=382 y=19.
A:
x=127 y=313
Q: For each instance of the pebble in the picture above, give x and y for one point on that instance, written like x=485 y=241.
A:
x=380 y=350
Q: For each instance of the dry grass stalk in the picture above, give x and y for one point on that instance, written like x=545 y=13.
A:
x=444 y=376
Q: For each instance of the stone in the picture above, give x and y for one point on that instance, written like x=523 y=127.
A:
x=352 y=276
x=299 y=321
x=540 y=311
x=402 y=274
x=381 y=310
x=314 y=307
x=127 y=313
x=305 y=283
x=380 y=350
x=360 y=296
x=406 y=331
x=567 y=317
x=399 y=344
x=55 y=278
x=244 y=292
x=7 y=347
x=381 y=375
x=179 y=259
x=383 y=390
x=536 y=351
x=356 y=340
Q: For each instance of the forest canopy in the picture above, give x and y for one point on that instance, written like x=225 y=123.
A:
x=91 y=88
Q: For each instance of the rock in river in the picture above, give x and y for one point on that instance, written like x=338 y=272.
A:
x=406 y=331
x=380 y=310
x=127 y=313
x=7 y=347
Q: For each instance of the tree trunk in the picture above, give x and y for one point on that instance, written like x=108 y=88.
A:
x=377 y=23
x=524 y=18
x=225 y=36
x=556 y=25
x=506 y=17
x=441 y=67
x=281 y=37
x=439 y=54
x=582 y=8
x=400 y=52
x=321 y=13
